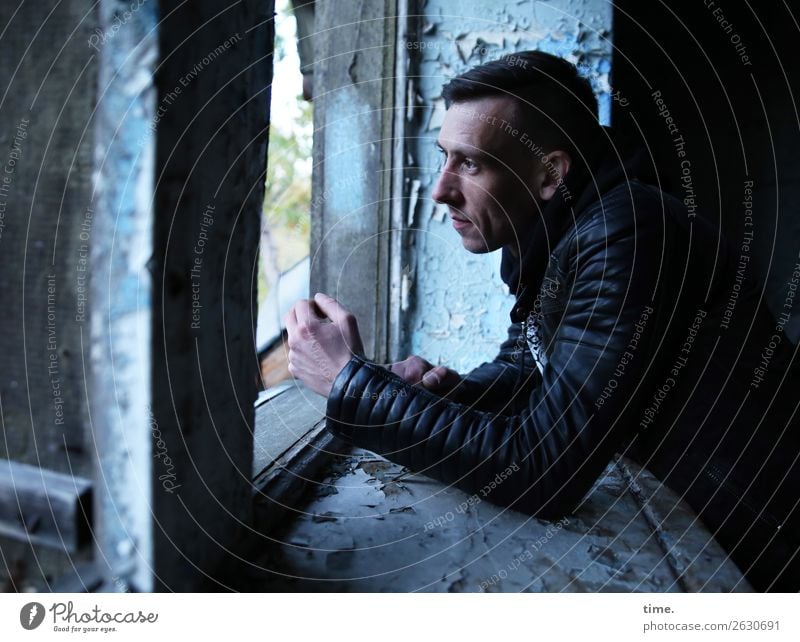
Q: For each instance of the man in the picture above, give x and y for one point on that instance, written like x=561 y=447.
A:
x=622 y=337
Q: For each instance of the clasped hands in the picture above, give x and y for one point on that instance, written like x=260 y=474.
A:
x=323 y=336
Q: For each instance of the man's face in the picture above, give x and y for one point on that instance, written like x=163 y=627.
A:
x=490 y=179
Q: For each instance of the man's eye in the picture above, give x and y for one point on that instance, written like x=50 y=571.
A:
x=469 y=164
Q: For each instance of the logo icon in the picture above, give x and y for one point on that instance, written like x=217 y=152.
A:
x=31 y=615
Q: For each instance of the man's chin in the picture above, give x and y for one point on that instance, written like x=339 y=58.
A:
x=475 y=246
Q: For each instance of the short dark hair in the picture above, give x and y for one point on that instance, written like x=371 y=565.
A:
x=555 y=99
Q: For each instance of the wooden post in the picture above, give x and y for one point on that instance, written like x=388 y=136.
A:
x=181 y=160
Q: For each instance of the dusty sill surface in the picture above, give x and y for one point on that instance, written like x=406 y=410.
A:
x=364 y=524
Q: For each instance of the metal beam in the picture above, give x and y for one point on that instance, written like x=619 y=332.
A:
x=44 y=507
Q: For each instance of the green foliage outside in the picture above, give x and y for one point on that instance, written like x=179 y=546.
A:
x=288 y=192
x=288 y=185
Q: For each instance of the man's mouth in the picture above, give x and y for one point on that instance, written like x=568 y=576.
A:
x=460 y=223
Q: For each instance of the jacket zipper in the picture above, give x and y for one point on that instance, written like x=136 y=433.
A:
x=523 y=347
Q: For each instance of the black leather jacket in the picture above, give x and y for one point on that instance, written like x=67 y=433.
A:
x=645 y=350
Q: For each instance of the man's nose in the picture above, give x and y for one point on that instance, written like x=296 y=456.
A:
x=445 y=189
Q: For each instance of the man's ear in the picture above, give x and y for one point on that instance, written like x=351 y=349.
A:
x=552 y=172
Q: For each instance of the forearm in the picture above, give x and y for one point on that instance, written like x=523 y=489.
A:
x=504 y=384
x=486 y=453
x=494 y=387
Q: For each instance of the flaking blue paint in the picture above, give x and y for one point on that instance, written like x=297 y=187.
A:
x=347 y=120
x=121 y=296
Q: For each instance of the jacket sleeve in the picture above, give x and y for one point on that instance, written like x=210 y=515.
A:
x=503 y=384
x=543 y=459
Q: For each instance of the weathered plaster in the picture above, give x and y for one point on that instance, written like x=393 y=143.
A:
x=122 y=292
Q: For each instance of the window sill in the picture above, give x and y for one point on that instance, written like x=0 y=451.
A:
x=290 y=445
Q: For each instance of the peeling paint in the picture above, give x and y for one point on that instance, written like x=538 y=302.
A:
x=434 y=538
x=413 y=199
x=120 y=324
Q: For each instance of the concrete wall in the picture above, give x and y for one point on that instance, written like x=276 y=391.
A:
x=48 y=78
x=457 y=306
x=48 y=82
x=350 y=208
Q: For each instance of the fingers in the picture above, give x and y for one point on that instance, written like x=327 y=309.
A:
x=441 y=379
x=342 y=319
x=411 y=370
x=290 y=321
x=416 y=370
x=331 y=308
x=307 y=318
x=433 y=378
x=319 y=319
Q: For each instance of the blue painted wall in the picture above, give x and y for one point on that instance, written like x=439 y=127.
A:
x=457 y=310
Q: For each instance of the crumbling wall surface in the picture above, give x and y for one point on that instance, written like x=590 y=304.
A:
x=47 y=94
x=457 y=307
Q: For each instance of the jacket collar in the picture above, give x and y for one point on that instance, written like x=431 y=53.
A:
x=608 y=163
